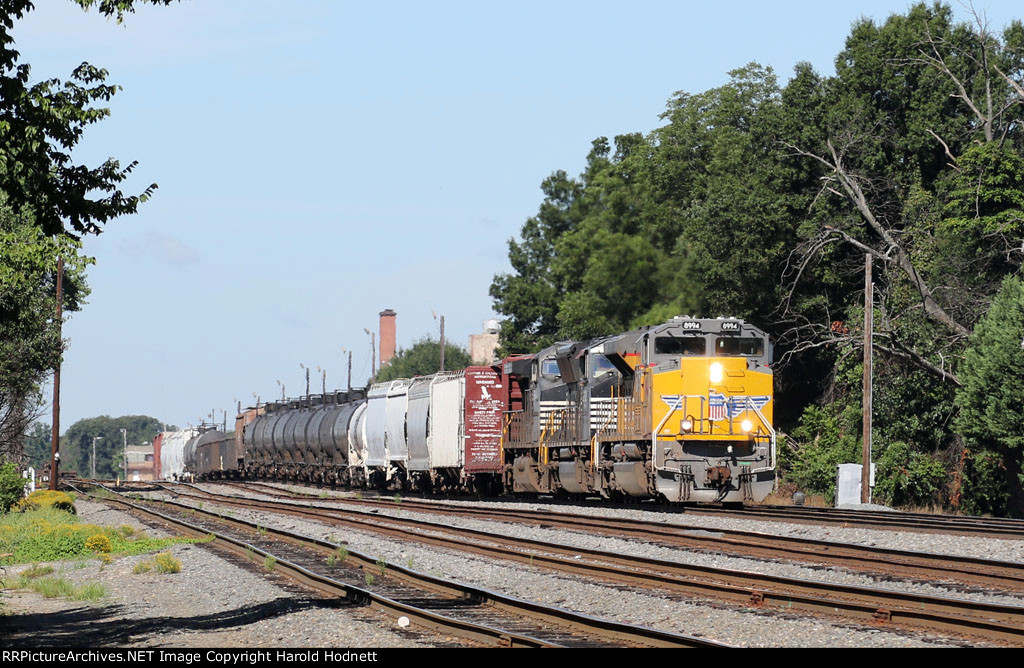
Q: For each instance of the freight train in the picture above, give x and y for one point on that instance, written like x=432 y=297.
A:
x=680 y=412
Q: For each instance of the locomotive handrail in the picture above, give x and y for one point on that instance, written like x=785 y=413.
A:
x=771 y=432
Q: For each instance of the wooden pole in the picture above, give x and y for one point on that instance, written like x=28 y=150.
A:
x=865 y=472
x=55 y=432
x=442 y=343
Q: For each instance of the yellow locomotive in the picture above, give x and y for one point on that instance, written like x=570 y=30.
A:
x=680 y=411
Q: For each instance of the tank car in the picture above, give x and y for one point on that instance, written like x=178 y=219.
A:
x=212 y=455
x=306 y=439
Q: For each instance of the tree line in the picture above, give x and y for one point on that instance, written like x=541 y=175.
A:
x=761 y=200
x=77 y=443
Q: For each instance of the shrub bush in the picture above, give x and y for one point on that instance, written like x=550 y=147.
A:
x=906 y=477
x=12 y=486
x=98 y=543
x=46 y=498
x=165 y=563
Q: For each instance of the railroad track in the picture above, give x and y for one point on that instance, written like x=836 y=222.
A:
x=970 y=619
x=917 y=566
x=981 y=527
x=430 y=602
x=988 y=527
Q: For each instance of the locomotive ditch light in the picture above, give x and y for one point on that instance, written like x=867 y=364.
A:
x=686 y=425
x=747 y=426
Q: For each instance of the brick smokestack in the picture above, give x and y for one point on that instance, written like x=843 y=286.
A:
x=387 y=336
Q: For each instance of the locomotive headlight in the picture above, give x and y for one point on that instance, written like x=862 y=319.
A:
x=716 y=372
x=747 y=426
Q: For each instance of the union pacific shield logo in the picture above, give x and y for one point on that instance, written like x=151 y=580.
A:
x=720 y=405
x=673 y=401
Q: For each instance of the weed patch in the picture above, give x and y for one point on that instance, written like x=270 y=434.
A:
x=47 y=498
x=49 y=534
x=36 y=571
x=50 y=587
x=161 y=563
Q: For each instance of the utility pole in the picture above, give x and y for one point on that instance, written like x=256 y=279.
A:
x=865 y=471
x=124 y=436
x=442 y=343
x=350 y=371
x=55 y=432
x=94 y=439
x=373 y=352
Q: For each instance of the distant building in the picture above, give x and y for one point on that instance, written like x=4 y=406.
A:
x=482 y=346
x=140 y=462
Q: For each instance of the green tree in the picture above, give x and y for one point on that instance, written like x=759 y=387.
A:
x=30 y=344
x=77 y=442
x=40 y=124
x=46 y=200
x=992 y=395
x=38 y=445
x=529 y=295
x=423 y=359
x=12 y=485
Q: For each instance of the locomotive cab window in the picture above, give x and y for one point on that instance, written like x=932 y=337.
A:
x=600 y=366
x=746 y=346
x=680 y=345
x=550 y=368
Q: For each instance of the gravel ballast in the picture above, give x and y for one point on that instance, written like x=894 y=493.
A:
x=214 y=602
x=720 y=622
x=210 y=603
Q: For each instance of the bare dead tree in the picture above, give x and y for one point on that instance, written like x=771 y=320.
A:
x=843 y=183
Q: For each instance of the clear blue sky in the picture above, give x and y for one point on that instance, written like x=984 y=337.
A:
x=321 y=161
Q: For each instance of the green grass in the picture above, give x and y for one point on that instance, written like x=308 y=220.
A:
x=50 y=587
x=48 y=534
x=337 y=557
x=36 y=571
